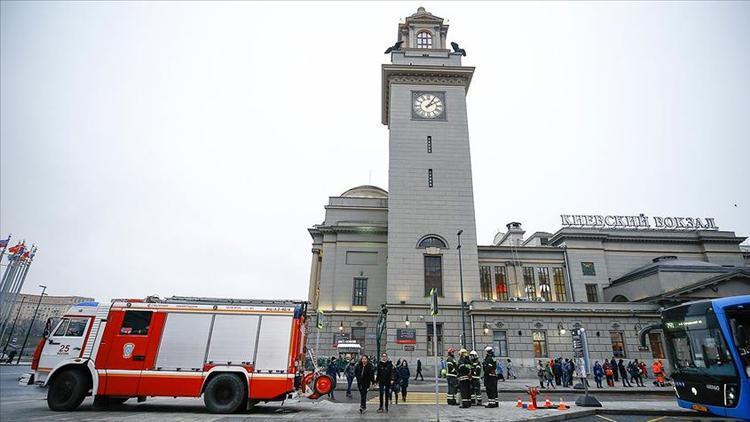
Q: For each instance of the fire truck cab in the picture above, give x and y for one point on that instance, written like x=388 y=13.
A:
x=235 y=353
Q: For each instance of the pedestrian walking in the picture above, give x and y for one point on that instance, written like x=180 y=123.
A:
x=565 y=373
x=490 y=377
x=613 y=364
x=451 y=374
x=419 y=371
x=499 y=371
x=405 y=375
x=557 y=370
x=657 y=369
x=332 y=370
x=635 y=373
x=365 y=374
x=598 y=374
x=383 y=376
x=509 y=369
x=623 y=374
x=396 y=382
x=608 y=373
x=464 y=378
x=540 y=373
x=476 y=376
x=644 y=369
x=349 y=373
x=549 y=376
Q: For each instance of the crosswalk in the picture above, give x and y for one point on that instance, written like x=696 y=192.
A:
x=414 y=398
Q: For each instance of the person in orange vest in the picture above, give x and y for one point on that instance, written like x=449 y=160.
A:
x=658 y=371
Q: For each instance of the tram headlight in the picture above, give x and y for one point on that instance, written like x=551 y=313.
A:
x=731 y=395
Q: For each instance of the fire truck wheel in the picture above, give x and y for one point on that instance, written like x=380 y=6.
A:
x=323 y=385
x=225 y=393
x=67 y=390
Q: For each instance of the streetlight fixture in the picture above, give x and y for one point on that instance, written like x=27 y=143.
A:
x=461 y=281
x=341 y=326
x=406 y=321
x=561 y=329
x=33 y=319
x=486 y=328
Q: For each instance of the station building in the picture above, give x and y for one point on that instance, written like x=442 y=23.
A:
x=523 y=294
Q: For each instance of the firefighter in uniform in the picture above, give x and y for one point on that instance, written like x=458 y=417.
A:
x=476 y=375
x=490 y=377
x=451 y=374
x=464 y=378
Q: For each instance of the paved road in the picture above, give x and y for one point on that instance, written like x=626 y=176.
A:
x=19 y=403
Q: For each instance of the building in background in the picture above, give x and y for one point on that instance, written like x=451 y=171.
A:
x=50 y=307
x=607 y=274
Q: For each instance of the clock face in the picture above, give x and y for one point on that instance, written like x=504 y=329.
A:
x=428 y=106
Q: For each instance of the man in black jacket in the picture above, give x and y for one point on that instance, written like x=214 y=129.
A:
x=365 y=374
x=383 y=377
x=464 y=378
x=451 y=374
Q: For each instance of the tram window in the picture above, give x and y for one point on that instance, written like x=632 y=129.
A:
x=739 y=322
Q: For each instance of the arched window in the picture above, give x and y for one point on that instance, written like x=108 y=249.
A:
x=424 y=40
x=432 y=242
x=620 y=298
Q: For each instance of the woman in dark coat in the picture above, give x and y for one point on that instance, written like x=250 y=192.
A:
x=396 y=381
x=365 y=374
x=405 y=374
x=623 y=374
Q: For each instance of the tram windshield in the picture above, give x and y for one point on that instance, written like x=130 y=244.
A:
x=698 y=346
x=739 y=323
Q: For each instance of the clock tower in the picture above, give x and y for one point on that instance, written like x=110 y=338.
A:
x=430 y=181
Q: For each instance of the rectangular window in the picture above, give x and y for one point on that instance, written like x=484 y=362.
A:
x=587 y=268
x=544 y=288
x=136 y=323
x=654 y=340
x=72 y=327
x=433 y=274
x=539 y=340
x=429 y=144
x=559 y=280
x=359 y=296
x=501 y=284
x=618 y=344
x=429 y=177
x=361 y=258
x=528 y=283
x=485 y=282
x=358 y=334
x=439 y=339
x=592 y=293
x=500 y=341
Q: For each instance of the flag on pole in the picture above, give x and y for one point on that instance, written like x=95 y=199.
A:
x=16 y=249
x=4 y=242
x=433 y=302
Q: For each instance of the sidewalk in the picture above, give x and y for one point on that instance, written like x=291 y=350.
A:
x=521 y=385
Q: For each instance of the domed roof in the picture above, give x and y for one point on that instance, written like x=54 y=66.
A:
x=365 y=191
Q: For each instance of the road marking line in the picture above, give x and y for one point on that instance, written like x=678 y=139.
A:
x=606 y=419
x=656 y=419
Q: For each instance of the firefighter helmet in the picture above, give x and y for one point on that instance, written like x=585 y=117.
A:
x=463 y=351
x=451 y=350
x=488 y=349
x=474 y=353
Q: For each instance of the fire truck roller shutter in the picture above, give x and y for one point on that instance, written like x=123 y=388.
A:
x=273 y=343
x=233 y=339
x=183 y=344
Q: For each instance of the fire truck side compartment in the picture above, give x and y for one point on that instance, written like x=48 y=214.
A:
x=273 y=343
x=233 y=339
x=184 y=342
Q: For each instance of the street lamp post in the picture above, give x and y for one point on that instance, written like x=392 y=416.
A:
x=44 y=288
x=461 y=281
x=13 y=327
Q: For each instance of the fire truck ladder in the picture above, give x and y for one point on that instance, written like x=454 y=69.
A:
x=99 y=320
x=227 y=301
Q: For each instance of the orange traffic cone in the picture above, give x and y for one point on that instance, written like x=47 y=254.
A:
x=519 y=404
x=547 y=403
x=562 y=405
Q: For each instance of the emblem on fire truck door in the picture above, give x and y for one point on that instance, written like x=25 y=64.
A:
x=127 y=350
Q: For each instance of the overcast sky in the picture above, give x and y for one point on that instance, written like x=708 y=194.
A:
x=185 y=148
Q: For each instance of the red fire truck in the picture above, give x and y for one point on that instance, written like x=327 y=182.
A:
x=235 y=353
